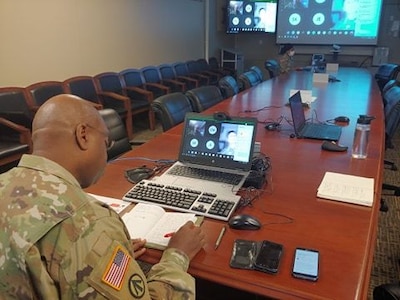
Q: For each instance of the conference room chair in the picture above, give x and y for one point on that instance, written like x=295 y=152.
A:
x=153 y=74
x=248 y=79
x=228 y=86
x=152 y=81
x=38 y=93
x=392 y=122
x=15 y=140
x=206 y=76
x=85 y=88
x=216 y=67
x=272 y=66
x=118 y=136
x=171 y=109
x=182 y=72
x=136 y=86
x=258 y=71
x=389 y=85
x=385 y=73
x=168 y=73
x=14 y=106
x=205 y=68
x=110 y=88
x=204 y=97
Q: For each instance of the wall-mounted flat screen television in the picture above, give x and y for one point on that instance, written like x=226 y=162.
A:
x=342 y=22
x=251 y=16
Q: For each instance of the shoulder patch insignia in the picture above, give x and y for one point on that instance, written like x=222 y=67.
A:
x=116 y=268
x=136 y=286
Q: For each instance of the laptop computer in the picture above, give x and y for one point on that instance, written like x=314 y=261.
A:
x=302 y=129
x=212 y=144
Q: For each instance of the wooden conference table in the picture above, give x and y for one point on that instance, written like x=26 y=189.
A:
x=292 y=215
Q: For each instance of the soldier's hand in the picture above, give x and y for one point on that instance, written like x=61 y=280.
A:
x=189 y=239
x=138 y=247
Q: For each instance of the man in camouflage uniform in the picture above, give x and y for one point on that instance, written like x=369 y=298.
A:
x=286 y=54
x=56 y=241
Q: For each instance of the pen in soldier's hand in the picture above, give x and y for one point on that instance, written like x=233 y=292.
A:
x=221 y=234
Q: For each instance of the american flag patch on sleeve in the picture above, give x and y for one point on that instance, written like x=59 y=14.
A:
x=116 y=268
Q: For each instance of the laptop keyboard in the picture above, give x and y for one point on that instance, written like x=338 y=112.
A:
x=183 y=199
x=205 y=174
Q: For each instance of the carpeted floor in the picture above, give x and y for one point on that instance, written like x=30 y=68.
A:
x=386 y=265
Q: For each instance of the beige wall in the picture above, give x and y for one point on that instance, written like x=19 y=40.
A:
x=57 y=39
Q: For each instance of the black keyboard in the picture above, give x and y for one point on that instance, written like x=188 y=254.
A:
x=210 y=175
x=183 y=199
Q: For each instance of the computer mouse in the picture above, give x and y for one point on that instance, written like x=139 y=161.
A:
x=138 y=174
x=332 y=146
x=342 y=119
x=244 y=222
x=272 y=126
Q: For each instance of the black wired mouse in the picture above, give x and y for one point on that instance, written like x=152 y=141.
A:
x=332 y=146
x=244 y=222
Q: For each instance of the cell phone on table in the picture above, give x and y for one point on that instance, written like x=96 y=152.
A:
x=268 y=257
x=306 y=264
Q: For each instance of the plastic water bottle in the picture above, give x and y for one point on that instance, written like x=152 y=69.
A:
x=361 y=136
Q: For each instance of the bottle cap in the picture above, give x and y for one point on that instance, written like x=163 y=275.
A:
x=364 y=119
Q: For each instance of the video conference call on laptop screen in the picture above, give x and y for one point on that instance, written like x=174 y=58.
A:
x=220 y=143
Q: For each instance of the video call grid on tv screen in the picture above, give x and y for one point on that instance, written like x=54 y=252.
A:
x=252 y=16
x=351 y=22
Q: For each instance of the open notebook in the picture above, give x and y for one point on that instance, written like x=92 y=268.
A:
x=213 y=145
x=302 y=129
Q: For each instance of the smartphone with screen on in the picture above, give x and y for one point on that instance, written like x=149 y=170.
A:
x=306 y=264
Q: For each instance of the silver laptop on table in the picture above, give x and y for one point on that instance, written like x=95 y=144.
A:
x=302 y=129
x=215 y=155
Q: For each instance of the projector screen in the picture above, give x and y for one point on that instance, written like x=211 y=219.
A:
x=342 y=22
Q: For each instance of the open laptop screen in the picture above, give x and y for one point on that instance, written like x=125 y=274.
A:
x=297 y=110
x=218 y=143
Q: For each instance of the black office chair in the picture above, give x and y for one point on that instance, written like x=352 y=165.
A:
x=228 y=86
x=392 y=121
x=385 y=73
x=204 y=97
x=117 y=133
x=15 y=107
x=171 y=109
x=272 y=67
x=389 y=85
x=258 y=71
x=248 y=79
x=38 y=93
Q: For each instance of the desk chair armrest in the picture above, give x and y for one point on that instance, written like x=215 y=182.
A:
x=114 y=96
x=139 y=93
x=149 y=85
x=195 y=81
x=25 y=136
x=180 y=84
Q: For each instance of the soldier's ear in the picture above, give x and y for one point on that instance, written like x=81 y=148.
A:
x=82 y=136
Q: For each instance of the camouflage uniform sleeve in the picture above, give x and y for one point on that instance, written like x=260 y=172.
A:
x=169 y=277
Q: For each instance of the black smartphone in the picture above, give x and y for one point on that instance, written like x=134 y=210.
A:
x=268 y=257
x=306 y=264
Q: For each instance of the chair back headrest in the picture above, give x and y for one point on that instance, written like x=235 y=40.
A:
x=83 y=87
x=249 y=79
x=204 y=97
x=42 y=91
x=14 y=106
x=109 y=82
x=258 y=72
x=272 y=67
x=171 y=109
x=228 y=86
x=117 y=133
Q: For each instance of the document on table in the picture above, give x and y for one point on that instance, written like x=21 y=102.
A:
x=116 y=204
x=347 y=188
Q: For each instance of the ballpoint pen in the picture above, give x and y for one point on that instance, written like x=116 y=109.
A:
x=221 y=234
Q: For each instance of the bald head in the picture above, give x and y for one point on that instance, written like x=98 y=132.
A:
x=69 y=131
